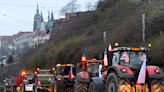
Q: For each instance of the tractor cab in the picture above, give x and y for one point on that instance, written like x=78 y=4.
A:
x=63 y=69
x=131 y=57
x=65 y=75
x=45 y=78
x=92 y=67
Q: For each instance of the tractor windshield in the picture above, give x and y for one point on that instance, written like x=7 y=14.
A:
x=93 y=67
x=44 y=72
x=63 y=70
x=46 y=79
x=132 y=59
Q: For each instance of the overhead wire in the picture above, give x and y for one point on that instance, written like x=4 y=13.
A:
x=19 y=5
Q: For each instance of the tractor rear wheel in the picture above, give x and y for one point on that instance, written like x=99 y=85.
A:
x=68 y=89
x=157 y=85
x=80 y=87
x=116 y=84
x=92 y=87
x=59 y=87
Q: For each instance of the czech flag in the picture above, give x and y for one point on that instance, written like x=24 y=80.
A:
x=84 y=55
x=70 y=73
x=110 y=48
x=142 y=74
x=99 y=73
x=105 y=58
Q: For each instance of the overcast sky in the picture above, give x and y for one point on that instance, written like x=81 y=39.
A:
x=17 y=15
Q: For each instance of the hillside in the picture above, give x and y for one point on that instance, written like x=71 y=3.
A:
x=120 y=20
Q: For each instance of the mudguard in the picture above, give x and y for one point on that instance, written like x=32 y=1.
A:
x=117 y=69
x=99 y=83
x=83 y=77
x=152 y=74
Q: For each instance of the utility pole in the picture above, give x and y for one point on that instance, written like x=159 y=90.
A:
x=143 y=28
x=104 y=36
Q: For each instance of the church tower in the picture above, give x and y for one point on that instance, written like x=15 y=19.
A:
x=42 y=25
x=37 y=20
x=50 y=22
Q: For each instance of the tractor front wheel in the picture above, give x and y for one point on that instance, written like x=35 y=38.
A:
x=157 y=85
x=80 y=87
x=116 y=84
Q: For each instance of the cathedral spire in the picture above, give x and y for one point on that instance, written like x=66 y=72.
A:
x=37 y=11
x=48 y=15
x=41 y=15
x=52 y=16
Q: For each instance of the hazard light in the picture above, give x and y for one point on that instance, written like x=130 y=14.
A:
x=35 y=72
x=149 y=45
x=135 y=49
x=116 y=44
x=59 y=79
x=53 y=69
x=23 y=73
x=93 y=60
x=38 y=69
x=58 y=65
x=83 y=58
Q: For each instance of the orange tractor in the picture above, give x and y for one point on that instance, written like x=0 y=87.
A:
x=128 y=72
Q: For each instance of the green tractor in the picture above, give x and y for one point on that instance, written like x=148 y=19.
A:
x=45 y=80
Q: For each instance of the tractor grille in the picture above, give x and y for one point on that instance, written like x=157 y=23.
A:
x=45 y=82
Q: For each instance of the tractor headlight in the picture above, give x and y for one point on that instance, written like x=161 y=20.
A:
x=157 y=71
x=123 y=70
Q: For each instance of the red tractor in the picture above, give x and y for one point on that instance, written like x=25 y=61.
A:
x=89 y=71
x=128 y=72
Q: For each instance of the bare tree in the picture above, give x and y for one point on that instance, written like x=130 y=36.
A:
x=90 y=6
x=70 y=8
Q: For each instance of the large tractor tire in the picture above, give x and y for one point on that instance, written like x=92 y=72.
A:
x=52 y=88
x=80 y=87
x=142 y=88
x=116 y=84
x=14 y=89
x=157 y=85
x=59 y=87
x=68 y=89
x=7 y=89
x=92 y=87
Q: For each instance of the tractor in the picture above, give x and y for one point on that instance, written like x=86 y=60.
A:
x=8 y=85
x=45 y=80
x=128 y=72
x=29 y=83
x=65 y=77
x=89 y=70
